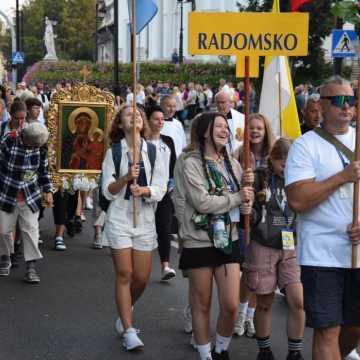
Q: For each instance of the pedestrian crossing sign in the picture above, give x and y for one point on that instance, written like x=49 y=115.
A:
x=344 y=43
x=17 y=57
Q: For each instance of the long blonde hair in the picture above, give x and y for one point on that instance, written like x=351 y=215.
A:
x=269 y=136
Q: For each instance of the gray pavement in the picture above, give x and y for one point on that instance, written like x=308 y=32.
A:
x=70 y=315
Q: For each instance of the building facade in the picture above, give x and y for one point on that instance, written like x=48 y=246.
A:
x=159 y=39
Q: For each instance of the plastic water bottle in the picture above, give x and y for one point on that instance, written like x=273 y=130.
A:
x=221 y=239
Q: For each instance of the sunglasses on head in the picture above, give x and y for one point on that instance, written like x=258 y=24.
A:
x=340 y=100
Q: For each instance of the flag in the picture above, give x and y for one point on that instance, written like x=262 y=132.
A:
x=277 y=100
x=296 y=4
x=145 y=11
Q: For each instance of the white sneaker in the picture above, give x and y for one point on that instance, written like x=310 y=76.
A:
x=187 y=319
x=354 y=355
x=250 y=328
x=119 y=326
x=131 y=340
x=167 y=273
x=239 y=328
x=89 y=203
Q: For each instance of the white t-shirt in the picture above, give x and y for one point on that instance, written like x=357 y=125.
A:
x=164 y=152
x=210 y=96
x=140 y=98
x=322 y=236
x=236 y=127
x=175 y=130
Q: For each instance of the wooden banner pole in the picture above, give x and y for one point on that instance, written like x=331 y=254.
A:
x=354 y=248
x=247 y=139
x=134 y=134
x=279 y=90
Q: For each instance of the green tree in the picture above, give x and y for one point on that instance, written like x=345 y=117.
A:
x=74 y=29
x=5 y=48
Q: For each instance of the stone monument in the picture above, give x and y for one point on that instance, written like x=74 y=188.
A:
x=49 y=39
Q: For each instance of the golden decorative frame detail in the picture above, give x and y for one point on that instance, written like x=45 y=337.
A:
x=81 y=95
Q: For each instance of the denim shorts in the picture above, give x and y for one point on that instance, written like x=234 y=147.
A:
x=331 y=296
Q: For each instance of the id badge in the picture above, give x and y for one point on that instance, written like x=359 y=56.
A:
x=347 y=191
x=288 y=241
x=235 y=215
x=29 y=174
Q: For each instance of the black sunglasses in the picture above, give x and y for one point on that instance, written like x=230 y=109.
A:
x=340 y=100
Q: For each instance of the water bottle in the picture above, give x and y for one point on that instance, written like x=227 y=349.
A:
x=221 y=239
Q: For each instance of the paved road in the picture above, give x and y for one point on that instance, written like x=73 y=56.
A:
x=70 y=314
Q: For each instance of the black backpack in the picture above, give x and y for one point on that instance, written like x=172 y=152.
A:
x=116 y=150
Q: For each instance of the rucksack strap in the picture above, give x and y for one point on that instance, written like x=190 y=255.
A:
x=335 y=142
x=151 y=148
x=116 y=150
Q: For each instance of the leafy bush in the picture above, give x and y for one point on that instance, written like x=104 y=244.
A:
x=102 y=74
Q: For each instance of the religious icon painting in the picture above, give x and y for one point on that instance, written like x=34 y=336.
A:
x=79 y=121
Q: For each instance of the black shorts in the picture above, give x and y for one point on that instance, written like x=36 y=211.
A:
x=331 y=296
x=192 y=258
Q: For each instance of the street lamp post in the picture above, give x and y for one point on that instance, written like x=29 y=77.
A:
x=96 y=31
x=17 y=15
x=181 y=39
x=116 y=45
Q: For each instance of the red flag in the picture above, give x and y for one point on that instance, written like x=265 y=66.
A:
x=296 y=4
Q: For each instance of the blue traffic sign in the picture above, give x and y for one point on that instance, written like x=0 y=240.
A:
x=17 y=57
x=343 y=43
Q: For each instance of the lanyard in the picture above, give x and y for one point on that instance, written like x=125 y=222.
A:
x=284 y=209
x=344 y=162
x=342 y=158
x=226 y=181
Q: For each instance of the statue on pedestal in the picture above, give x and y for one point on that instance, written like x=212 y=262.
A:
x=49 y=39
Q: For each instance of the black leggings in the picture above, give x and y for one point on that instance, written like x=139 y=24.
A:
x=64 y=207
x=163 y=219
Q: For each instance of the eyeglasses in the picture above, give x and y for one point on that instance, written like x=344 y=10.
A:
x=340 y=100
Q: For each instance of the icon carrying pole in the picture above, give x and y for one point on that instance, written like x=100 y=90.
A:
x=280 y=117
x=134 y=134
x=247 y=164
x=354 y=248
x=279 y=91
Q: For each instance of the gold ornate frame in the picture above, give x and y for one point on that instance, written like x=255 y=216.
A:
x=80 y=95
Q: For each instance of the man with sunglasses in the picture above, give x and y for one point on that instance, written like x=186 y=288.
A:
x=319 y=185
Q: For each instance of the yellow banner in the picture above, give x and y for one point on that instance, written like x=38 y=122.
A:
x=253 y=66
x=243 y=34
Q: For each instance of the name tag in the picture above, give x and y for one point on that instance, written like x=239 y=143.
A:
x=235 y=215
x=288 y=241
x=29 y=175
x=347 y=191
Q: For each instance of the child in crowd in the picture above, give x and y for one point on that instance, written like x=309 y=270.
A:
x=270 y=260
x=261 y=141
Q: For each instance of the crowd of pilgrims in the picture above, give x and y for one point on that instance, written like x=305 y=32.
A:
x=190 y=188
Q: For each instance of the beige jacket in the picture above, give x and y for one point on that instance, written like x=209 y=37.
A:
x=197 y=198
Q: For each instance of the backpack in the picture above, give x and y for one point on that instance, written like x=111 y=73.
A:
x=116 y=150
